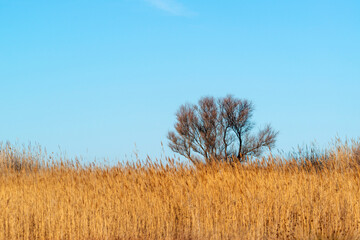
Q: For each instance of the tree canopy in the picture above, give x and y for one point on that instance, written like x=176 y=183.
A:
x=217 y=130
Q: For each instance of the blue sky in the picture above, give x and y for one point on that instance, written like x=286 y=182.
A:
x=97 y=77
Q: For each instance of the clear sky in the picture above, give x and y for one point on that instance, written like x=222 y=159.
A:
x=97 y=77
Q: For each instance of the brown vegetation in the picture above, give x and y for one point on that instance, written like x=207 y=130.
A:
x=265 y=199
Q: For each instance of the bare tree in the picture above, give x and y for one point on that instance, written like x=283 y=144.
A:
x=218 y=130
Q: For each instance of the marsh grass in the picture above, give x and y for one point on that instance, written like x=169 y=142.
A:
x=268 y=198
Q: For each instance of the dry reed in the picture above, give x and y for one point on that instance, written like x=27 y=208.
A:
x=270 y=199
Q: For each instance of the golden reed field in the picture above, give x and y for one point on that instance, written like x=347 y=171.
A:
x=269 y=198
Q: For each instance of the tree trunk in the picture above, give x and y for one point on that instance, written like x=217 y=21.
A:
x=239 y=156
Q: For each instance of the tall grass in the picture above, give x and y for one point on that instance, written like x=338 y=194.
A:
x=271 y=198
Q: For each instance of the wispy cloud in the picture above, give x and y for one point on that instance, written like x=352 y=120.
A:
x=171 y=6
